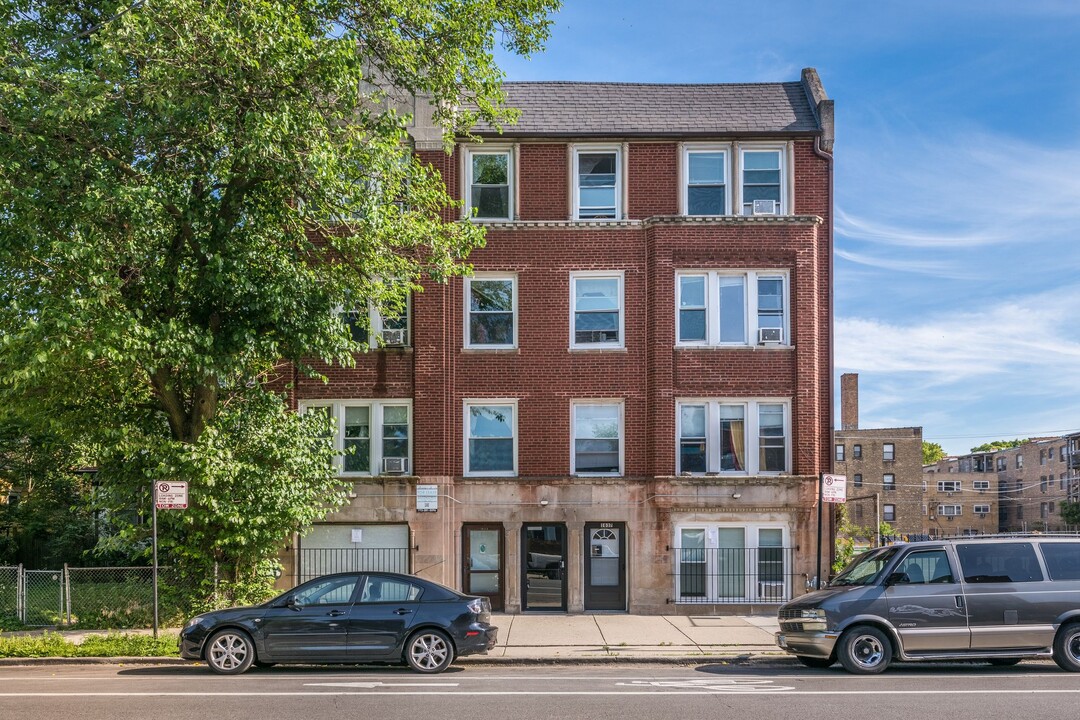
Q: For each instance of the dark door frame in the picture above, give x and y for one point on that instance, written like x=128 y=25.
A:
x=613 y=598
x=553 y=570
x=497 y=599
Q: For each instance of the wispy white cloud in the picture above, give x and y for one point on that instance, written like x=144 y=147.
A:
x=936 y=268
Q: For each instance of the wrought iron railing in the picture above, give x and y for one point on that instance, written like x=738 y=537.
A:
x=323 y=561
x=710 y=576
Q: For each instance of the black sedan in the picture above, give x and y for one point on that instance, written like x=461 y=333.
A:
x=372 y=617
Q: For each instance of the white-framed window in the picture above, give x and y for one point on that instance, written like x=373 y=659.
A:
x=888 y=451
x=839 y=452
x=368 y=433
x=980 y=485
x=856 y=451
x=982 y=509
x=489 y=183
x=490 y=438
x=888 y=512
x=949 y=510
x=597 y=182
x=763 y=178
x=379 y=329
x=491 y=311
x=706 y=182
x=596 y=309
x=948 y=486
x=888 y=481
x=728 y=561
x=738 y=436
x=1001 y=464
x=731 y=307
x=596 y=447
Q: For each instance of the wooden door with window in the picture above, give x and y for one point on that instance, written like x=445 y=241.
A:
x=482 y=554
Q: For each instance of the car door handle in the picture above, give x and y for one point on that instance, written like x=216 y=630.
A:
x=402 y=611
x=336 y=613
x=959 y=601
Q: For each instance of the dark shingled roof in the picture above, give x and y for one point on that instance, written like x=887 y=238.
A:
x=634 y=109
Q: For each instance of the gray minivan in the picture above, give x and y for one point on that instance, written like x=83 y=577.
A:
x=998 y=599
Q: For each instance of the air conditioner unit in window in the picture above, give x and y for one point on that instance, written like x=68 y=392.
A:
x=393 y=337
x=769 y=336
x=766 y=207
x=395 y=465
x=770 y=591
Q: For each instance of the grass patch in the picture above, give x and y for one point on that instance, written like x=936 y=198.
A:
x=111 y=645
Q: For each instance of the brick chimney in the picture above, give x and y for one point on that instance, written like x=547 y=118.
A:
x=849 y=401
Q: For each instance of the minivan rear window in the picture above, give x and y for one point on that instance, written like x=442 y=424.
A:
x=1062 y=560
x=998 y=562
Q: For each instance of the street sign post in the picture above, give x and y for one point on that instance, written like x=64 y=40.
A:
x=834 y=488
x=164 y=496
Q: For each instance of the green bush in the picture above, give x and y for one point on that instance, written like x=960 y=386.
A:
x=111 y=645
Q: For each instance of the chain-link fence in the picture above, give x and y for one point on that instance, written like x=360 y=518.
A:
x=10 y=594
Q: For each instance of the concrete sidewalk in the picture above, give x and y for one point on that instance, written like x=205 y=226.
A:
x=560 y=638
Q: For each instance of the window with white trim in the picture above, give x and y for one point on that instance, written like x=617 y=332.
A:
x=763 y=189
x=597 y=182
x=490 y=437
x=948 y=486
x=706 y=190
x=980 y=485
x=489 y=183
x=367 y=433
x=888 y=481
x=982 y=509
x=949 y=510
x=731 y=308
x=379 y=329
x=596 y=307
x=888 y=513
x=888 y=451
x=726 y=561
x=596 y=447
x=746 y=437
x=491 y=311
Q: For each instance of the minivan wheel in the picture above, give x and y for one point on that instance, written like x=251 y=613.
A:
x=429 y=651
x=813 y=662
x=1067 y=647
x=229 y=652
x=864 y=650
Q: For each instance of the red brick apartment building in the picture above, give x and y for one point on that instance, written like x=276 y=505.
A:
x=626 y=407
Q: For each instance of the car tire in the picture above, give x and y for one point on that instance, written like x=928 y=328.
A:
x=816 y=663
x=1067 y=647
x=864 y=650
x=429 y=651
x=1004 y=662
x=229 y=652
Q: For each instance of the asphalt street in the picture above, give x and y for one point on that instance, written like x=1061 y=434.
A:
x=658 y=692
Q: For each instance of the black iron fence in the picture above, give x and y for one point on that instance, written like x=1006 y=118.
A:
x=323 y=561
x=710 y=576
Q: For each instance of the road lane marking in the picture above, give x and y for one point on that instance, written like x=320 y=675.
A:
x=724 y=685
x=380 y=684
x=467 y=693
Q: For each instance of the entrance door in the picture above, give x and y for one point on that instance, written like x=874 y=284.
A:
x=543 y=576
x=731 y=562
x=605 y=566
x=482 y=557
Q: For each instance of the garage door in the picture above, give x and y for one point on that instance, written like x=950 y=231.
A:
x=330 y=548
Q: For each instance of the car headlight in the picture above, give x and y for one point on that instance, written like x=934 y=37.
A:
x=812 y=614
x=193 y=621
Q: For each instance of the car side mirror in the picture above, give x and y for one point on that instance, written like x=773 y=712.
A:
x=897 y=578
x=290 y=602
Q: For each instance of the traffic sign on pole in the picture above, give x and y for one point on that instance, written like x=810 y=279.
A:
x=834 y=488
x=171 y=496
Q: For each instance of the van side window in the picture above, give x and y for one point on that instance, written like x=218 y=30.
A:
x=1062 y=560
x=999 y=562
x=931 y=566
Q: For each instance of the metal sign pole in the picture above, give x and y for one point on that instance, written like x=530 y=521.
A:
x=153 y=496
x=820 y=502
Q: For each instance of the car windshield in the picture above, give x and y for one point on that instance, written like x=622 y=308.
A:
x=865 y=569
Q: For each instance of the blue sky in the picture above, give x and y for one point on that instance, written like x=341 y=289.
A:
x=957 y=183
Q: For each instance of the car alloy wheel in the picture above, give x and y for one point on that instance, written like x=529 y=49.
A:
x=229 y=652
x=429 y=651
x=865 y=650
x=1067 y=647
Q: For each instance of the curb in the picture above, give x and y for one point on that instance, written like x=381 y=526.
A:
x=732 y=660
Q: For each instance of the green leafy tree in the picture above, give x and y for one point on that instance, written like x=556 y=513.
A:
x=188 y=191
x=931 y=452
x=1070 y=513
x=998 y=445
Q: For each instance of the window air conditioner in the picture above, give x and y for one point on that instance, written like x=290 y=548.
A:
x=766 y=207
x=393 y=337
x=769 y=336
x=395 y=465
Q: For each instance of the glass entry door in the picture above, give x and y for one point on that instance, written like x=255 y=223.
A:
x=543 y=576
x=731 y=562
x=482 y=556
